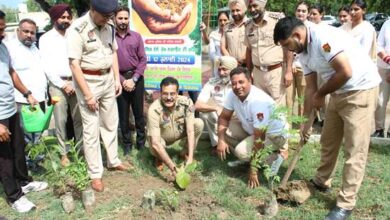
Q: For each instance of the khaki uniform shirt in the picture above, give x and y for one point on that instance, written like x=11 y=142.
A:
x=92 y=45
x=259 y=38
x=233 y=37
x=170 y=126
x=214 y=91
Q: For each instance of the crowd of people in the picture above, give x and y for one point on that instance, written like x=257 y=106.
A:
x=96 y=65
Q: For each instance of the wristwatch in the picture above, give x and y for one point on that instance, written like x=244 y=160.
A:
x=26 y=94
x=135 y=79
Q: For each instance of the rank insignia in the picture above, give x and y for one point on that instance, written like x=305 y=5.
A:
x=260 y=116
x=326 y=47
x=217 y=88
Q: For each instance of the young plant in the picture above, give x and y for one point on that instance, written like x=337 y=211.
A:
x=258 y=162
x=168 y=198
x=77 y=170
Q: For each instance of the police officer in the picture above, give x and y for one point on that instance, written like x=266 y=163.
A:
x=171 y=118
x=93 y=61
x=263 y=56
x=211 y=99
x=232 y=41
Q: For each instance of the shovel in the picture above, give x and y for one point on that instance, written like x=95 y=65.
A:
x=297 y=152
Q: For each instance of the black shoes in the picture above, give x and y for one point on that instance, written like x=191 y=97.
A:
x=338 y=213
x=320 y=188
x=378 y=133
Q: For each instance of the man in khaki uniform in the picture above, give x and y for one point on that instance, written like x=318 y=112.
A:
x=93 y=61
x=351 y=79
x=232 y=41
x=263 y=56
x=171 y=118
x=211 y=99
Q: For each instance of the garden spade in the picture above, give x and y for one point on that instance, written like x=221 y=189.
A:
x=298 y=152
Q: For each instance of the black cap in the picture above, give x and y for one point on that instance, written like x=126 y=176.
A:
x=104 y=6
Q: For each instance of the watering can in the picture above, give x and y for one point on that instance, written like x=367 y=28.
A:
x=34 y=119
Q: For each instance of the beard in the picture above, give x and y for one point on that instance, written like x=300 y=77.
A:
x=225 y=79
x=122 y=26
x=62 y=26
x=27 y=42
x=299 y=47
x=257 y=15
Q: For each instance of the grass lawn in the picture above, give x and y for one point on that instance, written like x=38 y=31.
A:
x=216 y=192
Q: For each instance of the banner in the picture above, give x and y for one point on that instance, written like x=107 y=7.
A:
x=172 y=40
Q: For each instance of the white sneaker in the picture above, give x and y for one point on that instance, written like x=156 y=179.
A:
x=34 y=186
x=236 y=163
x=23 y=205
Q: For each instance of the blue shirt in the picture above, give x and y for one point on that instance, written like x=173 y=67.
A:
x=7 y=97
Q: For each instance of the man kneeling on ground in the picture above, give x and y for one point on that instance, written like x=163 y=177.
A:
x=256 y=111
x=211 y=99
x=171 y=118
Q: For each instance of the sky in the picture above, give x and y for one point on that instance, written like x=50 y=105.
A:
x=11 y=3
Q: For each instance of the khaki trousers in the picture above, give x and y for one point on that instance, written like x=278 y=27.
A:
x=243 y=150
x=322 y=111
x=272 y=83
x=383 y=99
x=234 y=132
x=241 y=143
x=348 y=116
x=102 y=124
x=166 y=141
x=61 y=116
x=297 y=88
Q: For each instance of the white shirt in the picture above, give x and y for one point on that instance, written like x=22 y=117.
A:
x=27 y=63
x=257 y=111
x=365 y=35
x=7 y=98
x=215 y=91
x=296 y=62
x=55 y=57
x=324 y=43
x=384 y=43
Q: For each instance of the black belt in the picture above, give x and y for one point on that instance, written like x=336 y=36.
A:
x=68 y=78
x=127 y=74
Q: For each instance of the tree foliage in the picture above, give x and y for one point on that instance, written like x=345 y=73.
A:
x=11 y=13
x=288 y=7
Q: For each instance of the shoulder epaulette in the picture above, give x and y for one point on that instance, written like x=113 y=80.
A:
x=184 y=101
x=214 y=80
x=80 y=27
x=275 y=15
x=248 y=21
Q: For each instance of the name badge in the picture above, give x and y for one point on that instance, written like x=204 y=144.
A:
x=251 y=35
x=90 y=41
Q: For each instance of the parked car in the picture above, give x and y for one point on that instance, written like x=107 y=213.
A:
x=329 y=19
x=377 y=19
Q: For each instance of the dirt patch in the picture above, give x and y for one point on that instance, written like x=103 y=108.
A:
x=194 y=203
x=297 y=191
x=175 y=6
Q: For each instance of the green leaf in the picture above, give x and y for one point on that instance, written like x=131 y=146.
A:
x=183 y=179
x=191 y=167
x=54 y=165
